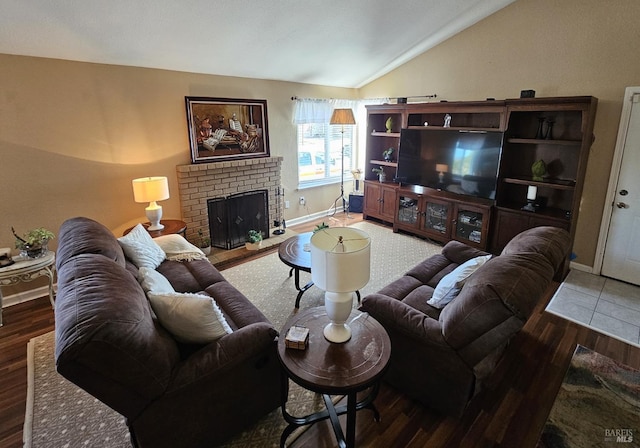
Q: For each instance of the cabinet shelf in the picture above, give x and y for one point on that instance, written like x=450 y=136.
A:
x=456 y=128
x=385 y=134
x=384 y=163
x=537 y=141
x=547 y=212
x=558 y=184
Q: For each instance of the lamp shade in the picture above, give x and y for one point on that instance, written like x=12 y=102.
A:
x=150 y=189
x=442 y=167
x=340 y=266
x=342 y=116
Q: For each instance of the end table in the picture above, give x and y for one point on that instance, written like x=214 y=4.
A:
x=335 y=369
x=171 y=226
x=26 y=269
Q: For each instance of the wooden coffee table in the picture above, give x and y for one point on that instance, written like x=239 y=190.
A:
x=292 y=253
x=295 y=252
x=335 y=369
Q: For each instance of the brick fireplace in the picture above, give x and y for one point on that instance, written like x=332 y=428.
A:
x=199 y=182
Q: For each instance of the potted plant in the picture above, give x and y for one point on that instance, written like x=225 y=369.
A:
x=382 y=176
x=254 y=240
x=33 y=244
x=321 y=226
x=387 y=154
x=204 y=242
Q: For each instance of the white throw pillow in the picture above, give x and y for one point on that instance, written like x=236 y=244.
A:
x=193 y=318
x=140 y=248
x=153 y=281
x=178 y=248
x=451 y=284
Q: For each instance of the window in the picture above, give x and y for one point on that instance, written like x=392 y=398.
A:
x=320 y=153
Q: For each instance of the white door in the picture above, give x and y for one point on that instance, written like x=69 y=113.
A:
x=622 y=249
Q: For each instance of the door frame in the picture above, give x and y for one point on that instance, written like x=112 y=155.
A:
x=614 y=176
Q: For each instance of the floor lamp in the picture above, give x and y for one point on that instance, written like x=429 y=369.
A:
x=342 y=117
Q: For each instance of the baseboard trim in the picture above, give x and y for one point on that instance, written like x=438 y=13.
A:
x=25 y=296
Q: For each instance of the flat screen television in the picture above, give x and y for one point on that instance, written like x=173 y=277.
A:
x=463 y=162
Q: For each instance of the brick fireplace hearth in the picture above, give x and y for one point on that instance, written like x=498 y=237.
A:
x=199 y=182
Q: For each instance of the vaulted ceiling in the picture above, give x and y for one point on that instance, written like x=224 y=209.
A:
x=344 y=43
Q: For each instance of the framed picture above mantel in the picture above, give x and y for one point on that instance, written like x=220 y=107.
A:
x=226 y=129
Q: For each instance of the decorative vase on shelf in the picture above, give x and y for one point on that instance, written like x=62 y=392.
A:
x=389 y=124
x=382 y=177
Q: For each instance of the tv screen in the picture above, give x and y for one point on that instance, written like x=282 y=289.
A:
x=463 y=162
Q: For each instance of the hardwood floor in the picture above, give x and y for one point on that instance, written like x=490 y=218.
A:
x=509 y=412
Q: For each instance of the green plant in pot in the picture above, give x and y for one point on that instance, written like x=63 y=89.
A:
x=204 y=242
x=387 y=154
x=254 y=240
x=382 y=176
x=33 y=243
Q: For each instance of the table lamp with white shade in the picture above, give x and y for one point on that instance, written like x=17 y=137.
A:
x=151 y=189
x=340 y=265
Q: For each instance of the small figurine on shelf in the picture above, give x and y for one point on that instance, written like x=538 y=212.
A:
x=447 y=121
x=387 y=154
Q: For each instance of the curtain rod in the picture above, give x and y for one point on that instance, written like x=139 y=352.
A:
x=399 y=98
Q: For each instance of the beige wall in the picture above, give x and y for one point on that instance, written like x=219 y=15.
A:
x=557 y=48
x=73 y=135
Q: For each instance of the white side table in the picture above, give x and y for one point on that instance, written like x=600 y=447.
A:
x=26 y=269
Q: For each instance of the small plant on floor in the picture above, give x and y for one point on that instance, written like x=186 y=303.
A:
x=254 y=236
x=203 y=241
x=321 y=226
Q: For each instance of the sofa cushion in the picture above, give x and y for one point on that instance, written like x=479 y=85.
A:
x=191 y=318
x=140 y=248
x=177 y=248
x=153 y=281
x=552 y=242
x=450 y=285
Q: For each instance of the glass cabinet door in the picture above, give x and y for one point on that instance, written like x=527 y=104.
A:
x=469 y=225
x=436 y=217
x=408 y=212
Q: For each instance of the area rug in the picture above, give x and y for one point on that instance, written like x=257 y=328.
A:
x=60 y=414
x=598 y=405
x=267 y=284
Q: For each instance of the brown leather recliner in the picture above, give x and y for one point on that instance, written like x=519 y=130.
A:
x=441 y=357
x=109 y=343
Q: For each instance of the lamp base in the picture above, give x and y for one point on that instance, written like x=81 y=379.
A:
x=338 y=306
x=154 y=214
x=337 y=333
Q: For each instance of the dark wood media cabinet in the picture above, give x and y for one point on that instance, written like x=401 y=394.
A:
x=557 y=130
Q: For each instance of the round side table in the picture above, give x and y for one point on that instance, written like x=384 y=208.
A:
x=171 y=226
x=335 y=369
x=26 y=269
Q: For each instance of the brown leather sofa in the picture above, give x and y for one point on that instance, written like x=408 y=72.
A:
x=441 y=356
x=109 y=343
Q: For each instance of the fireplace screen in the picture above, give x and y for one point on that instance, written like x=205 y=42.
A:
x=231 y=218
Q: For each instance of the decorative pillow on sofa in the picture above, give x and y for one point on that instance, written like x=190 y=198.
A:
x=153 y=281
x=140 y=248
x=179 y=249
x=451 y=284
x=192 y=318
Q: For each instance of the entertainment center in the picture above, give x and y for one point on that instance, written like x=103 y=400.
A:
x=463 y=170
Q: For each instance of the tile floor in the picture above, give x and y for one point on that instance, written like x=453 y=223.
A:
x=609 y=306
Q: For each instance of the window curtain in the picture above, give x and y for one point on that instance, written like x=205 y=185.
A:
x=310 y=111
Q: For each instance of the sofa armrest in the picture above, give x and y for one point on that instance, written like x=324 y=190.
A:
x=397 y=316
x=225 y=353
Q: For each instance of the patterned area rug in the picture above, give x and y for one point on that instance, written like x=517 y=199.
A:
x=267 y=284
x=60 y=414
x=598 y=405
